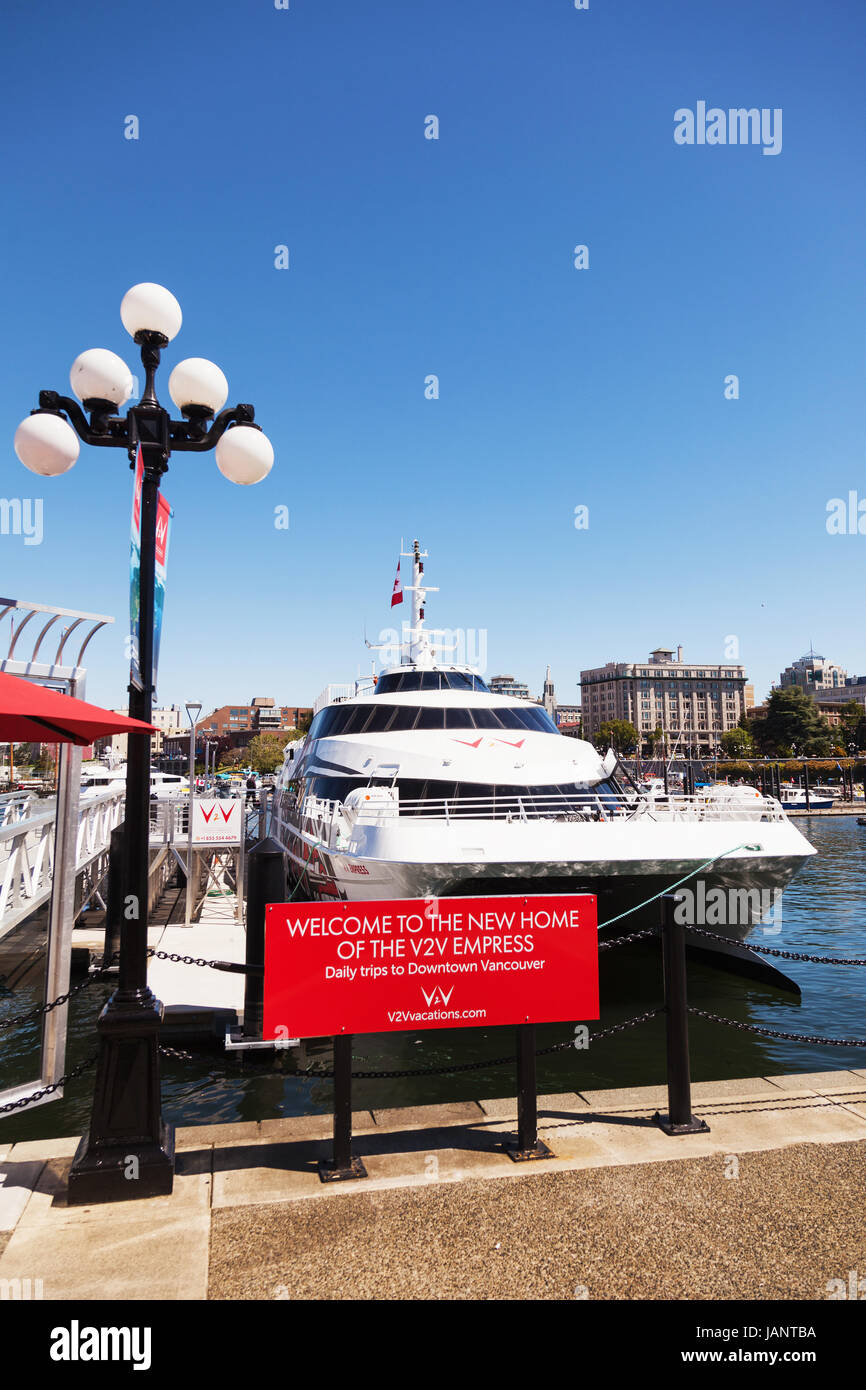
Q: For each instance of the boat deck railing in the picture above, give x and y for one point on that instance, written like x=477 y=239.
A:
x=318 y=814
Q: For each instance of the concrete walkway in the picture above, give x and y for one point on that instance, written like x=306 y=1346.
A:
x=769 y=1204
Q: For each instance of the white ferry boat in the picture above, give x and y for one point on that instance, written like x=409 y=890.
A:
x=162 y=784
x=425 y=784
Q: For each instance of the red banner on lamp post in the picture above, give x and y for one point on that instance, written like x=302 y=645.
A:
x=379 y=967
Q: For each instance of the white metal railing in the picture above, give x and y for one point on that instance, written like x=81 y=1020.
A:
x=319 y=815
x=169 y=819
x=336 y=694
x=27 y=852
x=15 y=806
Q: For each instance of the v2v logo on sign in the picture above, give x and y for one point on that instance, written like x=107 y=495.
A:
x=439 y=993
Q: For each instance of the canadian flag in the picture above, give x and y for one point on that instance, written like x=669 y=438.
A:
x=397 y=591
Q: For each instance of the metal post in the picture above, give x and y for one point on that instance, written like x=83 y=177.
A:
x=267 y=884
x=189 y=851
x=128 y=1151
x=114 y=896
x=806 y=786
x=528 y=1144
x=343 y=1166
x=680 y=1119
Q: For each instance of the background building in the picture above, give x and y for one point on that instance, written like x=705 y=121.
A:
x=813 y=673
x=507 y=685
x=693 y=704
x=261 y=716
x=169 y=720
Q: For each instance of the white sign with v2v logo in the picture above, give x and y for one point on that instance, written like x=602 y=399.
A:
x=216 y=822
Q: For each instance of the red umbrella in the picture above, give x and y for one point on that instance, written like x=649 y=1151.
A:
x=30 y=713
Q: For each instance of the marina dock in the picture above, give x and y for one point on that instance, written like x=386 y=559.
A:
x=768 y=1204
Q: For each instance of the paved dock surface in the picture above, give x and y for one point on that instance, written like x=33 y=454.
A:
x=199 y=1002
x=769 y=1204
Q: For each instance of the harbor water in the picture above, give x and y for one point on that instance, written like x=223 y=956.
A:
x=824 y=913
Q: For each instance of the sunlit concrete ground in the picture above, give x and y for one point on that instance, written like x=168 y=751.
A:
x=768 y=1204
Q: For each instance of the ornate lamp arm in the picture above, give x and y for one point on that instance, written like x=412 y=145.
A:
x=186 y=434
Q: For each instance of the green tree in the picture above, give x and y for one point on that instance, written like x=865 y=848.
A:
x=618 y=734
x=852 y=725
x=233 y=757
x=737 y=743
x=265 y=752
x=42 y=765
x=793 y=720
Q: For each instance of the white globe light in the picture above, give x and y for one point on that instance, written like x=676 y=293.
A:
x=195 y=381
x=100 y=374
x=148 y=308
x=46 y=444
x=244 y=455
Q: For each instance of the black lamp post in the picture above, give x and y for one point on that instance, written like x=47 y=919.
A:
x=129 y=1150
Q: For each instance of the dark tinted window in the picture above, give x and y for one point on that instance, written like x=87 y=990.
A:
x=379 y=718
x=490 y=718
x=430 y=719
x=376 y=718
x=357 y=720
x=387 y=685
x=429 y=680
x=404 y=718
x=542 y=720
x=459 y=719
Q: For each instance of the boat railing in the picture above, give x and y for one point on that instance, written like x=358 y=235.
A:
x=320 y=816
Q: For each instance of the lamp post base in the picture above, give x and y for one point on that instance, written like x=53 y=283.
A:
x=128 y=1151
x=123 y=1171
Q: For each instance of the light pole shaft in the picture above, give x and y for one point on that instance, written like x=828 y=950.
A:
x=133 y=951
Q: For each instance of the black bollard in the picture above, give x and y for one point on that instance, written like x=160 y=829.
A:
x=343 y=1167
x=680 y=1119
x=528 y=1145
x=266 y=883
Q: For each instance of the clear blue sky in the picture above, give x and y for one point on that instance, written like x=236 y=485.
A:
x=409 y=256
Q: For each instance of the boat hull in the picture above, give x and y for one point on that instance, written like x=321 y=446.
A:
x=749 y=875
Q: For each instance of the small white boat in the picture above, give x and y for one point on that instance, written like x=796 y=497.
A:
x=794 y=799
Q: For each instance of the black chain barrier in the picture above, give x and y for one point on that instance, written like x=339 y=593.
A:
x=452 y=1069
x=47 y=1090
x=55 y=1003
x=457 y=1066
x=775 y=951
x=774 y=1033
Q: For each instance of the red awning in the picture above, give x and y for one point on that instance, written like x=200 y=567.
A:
x=31 y=713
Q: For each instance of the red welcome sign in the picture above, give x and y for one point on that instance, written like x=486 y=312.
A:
x=388 y=966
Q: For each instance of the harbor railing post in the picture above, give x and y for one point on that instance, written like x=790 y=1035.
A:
x=680 y=1119
x=343 y=1166
x=266 y=871
x=528 y=1144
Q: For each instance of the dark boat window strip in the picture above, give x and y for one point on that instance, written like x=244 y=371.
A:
x=393 y=681
x=500 y=800
x=378 y=719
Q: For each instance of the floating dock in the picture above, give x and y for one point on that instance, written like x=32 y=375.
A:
x=767 y=1205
